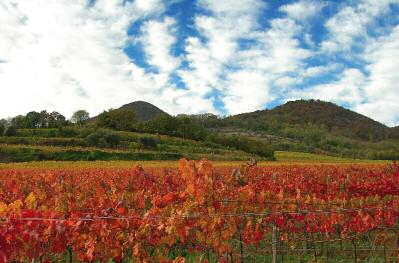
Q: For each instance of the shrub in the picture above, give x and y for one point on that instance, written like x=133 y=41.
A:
x=67 y=132
x=112 y=139
x=93 y=139
x=148 y=142
x=91 y=156
x=11 y=131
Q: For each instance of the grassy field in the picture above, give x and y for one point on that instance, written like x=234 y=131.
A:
x=283 y=158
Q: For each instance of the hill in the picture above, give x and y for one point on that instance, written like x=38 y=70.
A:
x=395 y=132
x=310 y=126
x=314 y=116
x=144 y=111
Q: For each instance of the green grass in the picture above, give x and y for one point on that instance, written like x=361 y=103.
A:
x=287 y=156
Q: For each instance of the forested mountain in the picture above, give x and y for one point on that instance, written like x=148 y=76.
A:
x=313 y=116
x=144 y=111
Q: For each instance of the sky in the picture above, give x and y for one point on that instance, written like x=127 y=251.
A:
x=196 y=56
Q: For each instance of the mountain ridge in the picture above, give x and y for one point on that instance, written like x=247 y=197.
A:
x=145 y=111
x=306 y=113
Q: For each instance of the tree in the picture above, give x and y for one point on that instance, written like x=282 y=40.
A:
x=19 y=122
x=44 y=119
x=56 y=120
x=93 y=139
x=120 y=119
x=148 y=142
x=33 y=120
x=11 y=131
x=80 y=117
x=112 y=139
x=4 y=124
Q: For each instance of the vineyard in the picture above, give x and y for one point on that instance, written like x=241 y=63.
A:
x=201 y=213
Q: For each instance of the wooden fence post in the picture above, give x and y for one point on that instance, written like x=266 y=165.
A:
x=274 y=228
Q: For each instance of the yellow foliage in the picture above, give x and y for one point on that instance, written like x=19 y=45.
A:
x=16 y=205
x=30 y=200
x=3 y=207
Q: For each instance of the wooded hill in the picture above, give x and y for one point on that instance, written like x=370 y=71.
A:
x=314 y=116
x=310 y=126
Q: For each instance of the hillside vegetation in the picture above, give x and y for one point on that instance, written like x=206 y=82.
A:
x=82 y=143
x=316 y=127
x=290 y=118
x=140 y=130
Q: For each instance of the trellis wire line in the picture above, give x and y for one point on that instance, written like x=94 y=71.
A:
x=247 y=214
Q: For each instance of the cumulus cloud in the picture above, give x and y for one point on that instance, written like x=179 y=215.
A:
x=351 y=24
x=244 y=75
x=381 y=90
x=303 y=10
x=63 y=55
x=157 y=38
x=347 y=90
x=66 y=55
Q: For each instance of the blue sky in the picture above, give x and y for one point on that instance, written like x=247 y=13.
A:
x=193 y=56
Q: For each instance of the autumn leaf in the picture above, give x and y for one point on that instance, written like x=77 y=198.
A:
x=30 y=201
x=3 y=207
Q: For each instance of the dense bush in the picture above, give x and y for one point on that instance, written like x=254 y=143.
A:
x=183 y=127
x=91 y=156
x=93 y=139
x=120 y=119
x=112 y=139
x=148 y=142
x=67 y=132
x=245 y=144
x=11 y=131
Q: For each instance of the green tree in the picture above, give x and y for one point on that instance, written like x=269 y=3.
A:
x=148 y=142
x=56 y=120
x=120 y=119
x=19 y=122
x=112 y=139
x=5 y=123
x=80 y=117
x=33 y=120
x=2 y=128
x=11 y=131
x=44 y=119
x=93 y=139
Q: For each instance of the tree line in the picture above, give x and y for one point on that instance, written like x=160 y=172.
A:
x=192 y=127
x=43 y=119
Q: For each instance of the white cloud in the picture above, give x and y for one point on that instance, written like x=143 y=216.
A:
x=347 y=90
x=279 y=49
x=63 y=55
x=247 y=91
x=66 y=55
x=351 y=23
x=244 y=75
x=316 y=71
x=374 y=94
x=157 y=39
x=207 y=60
x=382 y=90
x=303 y=10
